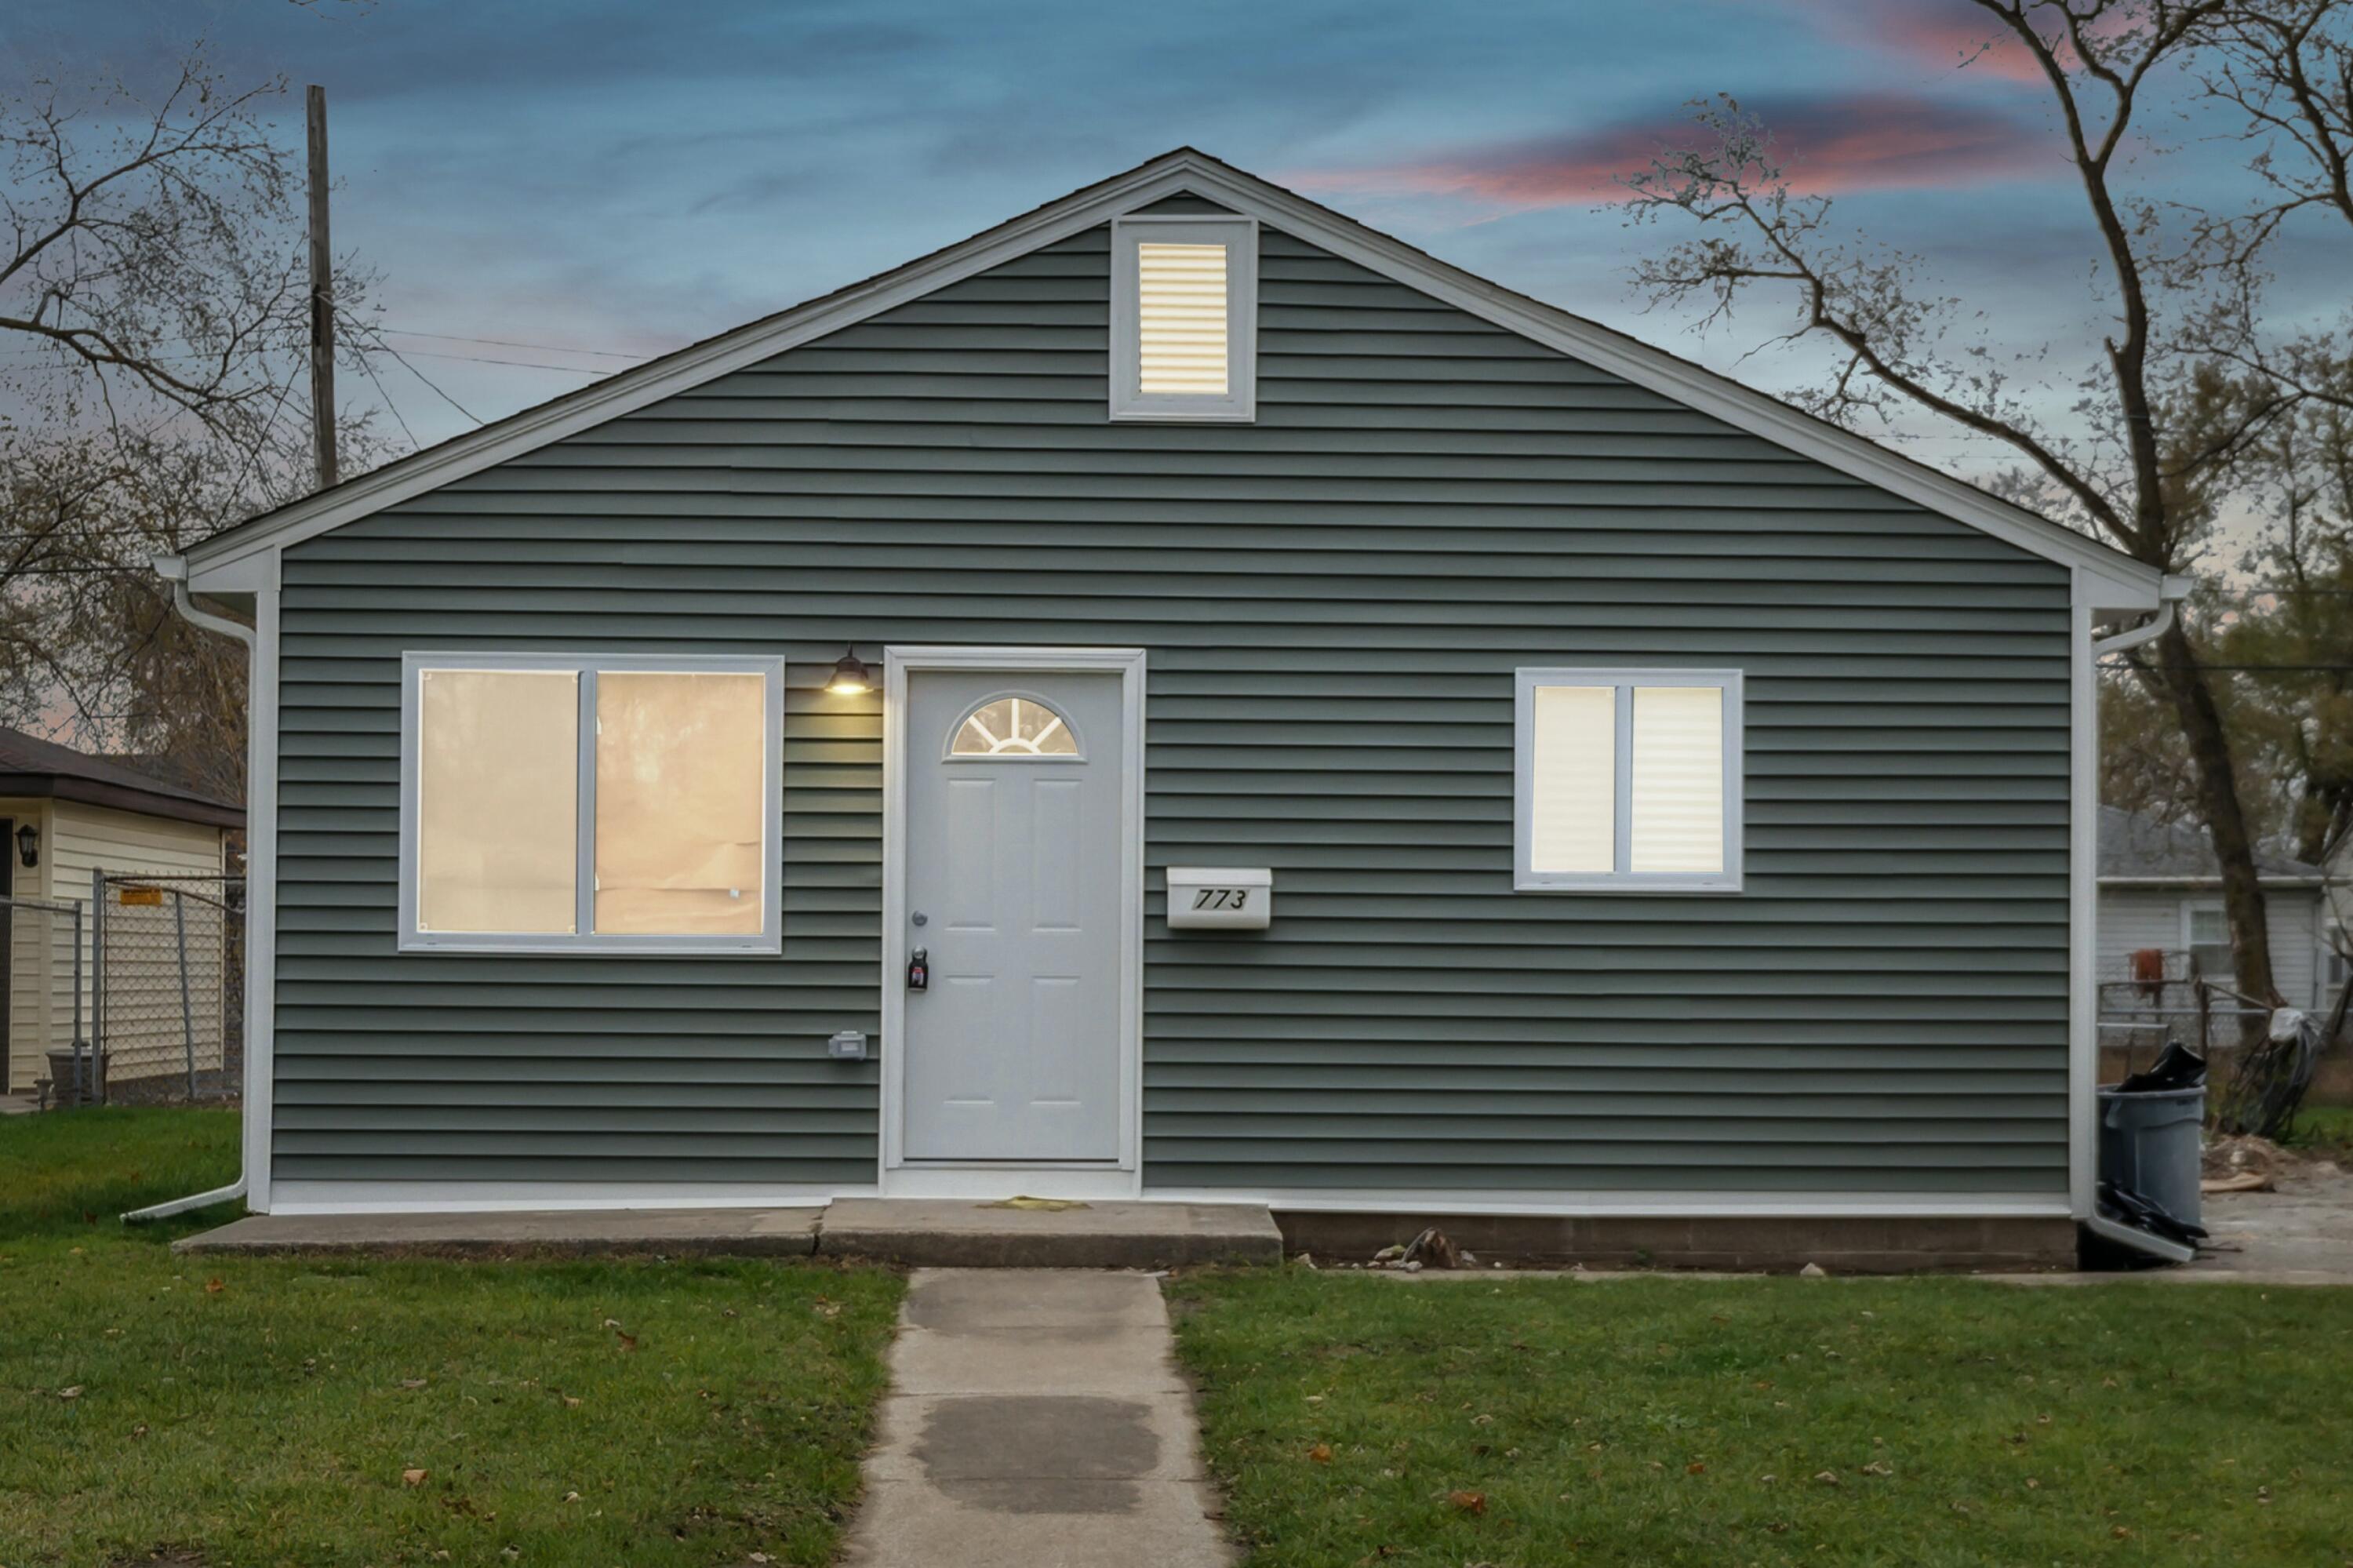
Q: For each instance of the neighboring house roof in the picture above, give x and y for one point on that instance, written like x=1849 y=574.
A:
x=2115 y=580
x=2134 y=848
x=31 y=766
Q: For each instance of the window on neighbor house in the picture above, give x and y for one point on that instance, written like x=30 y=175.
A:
x=1184 y=318
x=1628 y=780
x=559 y=803
x=2206 y=932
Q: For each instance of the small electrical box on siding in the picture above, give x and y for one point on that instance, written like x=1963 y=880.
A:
x=850 y=1045
x=1219 y=899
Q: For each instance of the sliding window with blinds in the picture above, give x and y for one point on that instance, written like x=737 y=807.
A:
x=1184 y=318
x=553 y=802
x=1628 y=780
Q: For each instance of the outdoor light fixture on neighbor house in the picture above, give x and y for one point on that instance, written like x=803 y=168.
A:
x=850 y=678
x=28 y=845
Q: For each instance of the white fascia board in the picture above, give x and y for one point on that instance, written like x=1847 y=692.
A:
x=688 y=368
x=2110 y=581
x=2123 y=583
x=426 y=1197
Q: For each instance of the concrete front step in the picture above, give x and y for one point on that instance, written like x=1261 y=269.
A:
x=916 y=1233
x=944 y=1234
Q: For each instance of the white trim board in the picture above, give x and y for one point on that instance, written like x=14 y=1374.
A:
x=894 y=1176
x=2110 y=580
x=428 y=1197
x=512 y=1197
x=261 y=896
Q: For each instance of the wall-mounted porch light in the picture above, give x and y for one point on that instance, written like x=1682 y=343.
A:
x=850 y=677
x=28 y=845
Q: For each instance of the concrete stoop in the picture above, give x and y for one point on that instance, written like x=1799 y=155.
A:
x=939 y=1234
x=913 y=1233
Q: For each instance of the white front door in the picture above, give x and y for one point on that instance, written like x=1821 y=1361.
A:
x=1013 y=845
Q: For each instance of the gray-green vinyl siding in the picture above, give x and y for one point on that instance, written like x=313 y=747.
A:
x=1333 y=600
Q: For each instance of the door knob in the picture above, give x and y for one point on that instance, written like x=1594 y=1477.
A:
x=920 y=917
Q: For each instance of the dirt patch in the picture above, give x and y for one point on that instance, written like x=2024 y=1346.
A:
x=2228 y=1157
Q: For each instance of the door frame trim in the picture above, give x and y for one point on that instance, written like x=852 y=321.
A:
x=1120 y=1177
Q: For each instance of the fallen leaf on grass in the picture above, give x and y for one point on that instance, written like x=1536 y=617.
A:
x=571 y=1401
x=1879 y=1467
x=1468 y=1502
x=412 y=1382
x=412 y=1477
x=1321 y=1453
x=1827 y=1478
x=1695 y=1468
x=73 y=1392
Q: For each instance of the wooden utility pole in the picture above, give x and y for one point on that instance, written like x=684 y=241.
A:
x=322 y=298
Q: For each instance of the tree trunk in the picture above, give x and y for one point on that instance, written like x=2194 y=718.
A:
x=2176 y=673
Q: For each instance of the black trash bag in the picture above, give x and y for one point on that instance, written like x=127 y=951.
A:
x=2176 y=1068
x=2141 y=1214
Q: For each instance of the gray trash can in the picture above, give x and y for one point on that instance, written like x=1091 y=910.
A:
x=2150 y=1144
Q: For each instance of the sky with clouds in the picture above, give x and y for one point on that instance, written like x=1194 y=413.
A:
x=602 y=180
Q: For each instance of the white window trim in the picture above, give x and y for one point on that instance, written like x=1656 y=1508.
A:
x=583 y=938
x=2193 y=907
x=1526 y=878
x=1240 y=236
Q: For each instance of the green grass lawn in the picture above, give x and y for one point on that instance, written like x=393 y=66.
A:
x=312 y=1411
x=2322 y=1131
x=1661 y=1421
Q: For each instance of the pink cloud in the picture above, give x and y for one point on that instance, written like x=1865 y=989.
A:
x=1956 y=34
x=1866 y=142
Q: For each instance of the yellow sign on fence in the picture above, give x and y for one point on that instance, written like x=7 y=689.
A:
x=141 y=896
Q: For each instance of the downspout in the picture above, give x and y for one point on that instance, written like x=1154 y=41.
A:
x=2171 y=591
x=174 y=569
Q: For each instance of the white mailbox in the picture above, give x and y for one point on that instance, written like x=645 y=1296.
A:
x=1219 y=897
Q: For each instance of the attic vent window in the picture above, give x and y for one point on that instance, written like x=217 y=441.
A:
x=1184 y=318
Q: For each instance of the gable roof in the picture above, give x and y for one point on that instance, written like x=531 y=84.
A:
x=2134 y=848
x=31 y=766
x=2116 y=580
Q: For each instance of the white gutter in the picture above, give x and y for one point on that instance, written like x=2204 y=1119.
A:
x=2170 y=593
x=174 y=569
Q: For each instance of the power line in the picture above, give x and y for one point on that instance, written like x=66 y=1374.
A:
x=369 y=365
x=403 y=361
x=487 y=359
x=514 y=343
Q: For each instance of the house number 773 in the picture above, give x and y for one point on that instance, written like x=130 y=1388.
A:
x=1221 y=898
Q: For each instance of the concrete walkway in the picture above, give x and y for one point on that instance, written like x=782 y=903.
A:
x=914 y=1233
x=1036 y=1418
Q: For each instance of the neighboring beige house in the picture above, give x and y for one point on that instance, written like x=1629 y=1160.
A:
x=88 y=813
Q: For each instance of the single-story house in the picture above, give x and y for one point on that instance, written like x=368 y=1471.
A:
x=1179 y=695
x=2161 y=890
x=64 y=816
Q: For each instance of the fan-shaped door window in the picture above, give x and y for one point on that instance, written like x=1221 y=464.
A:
x=1015 y=727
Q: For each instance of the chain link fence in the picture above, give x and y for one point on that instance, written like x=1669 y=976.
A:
x=48 y=1045
x=168 y=999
